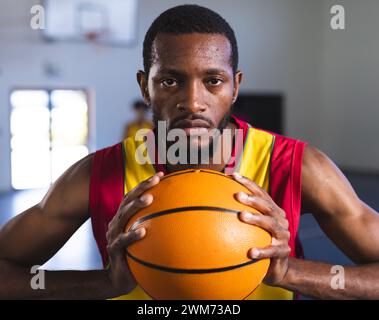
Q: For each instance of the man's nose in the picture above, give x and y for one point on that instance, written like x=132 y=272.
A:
x=192 y=101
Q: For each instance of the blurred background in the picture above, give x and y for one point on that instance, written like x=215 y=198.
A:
x=69 y=89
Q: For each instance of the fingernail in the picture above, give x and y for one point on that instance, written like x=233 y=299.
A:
x=255 y=254
x=140 y=232
x=246 y=214
x=242 y=195
x=143 y=198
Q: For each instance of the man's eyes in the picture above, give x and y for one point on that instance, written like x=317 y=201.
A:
x=169 y=83
x=214 y=81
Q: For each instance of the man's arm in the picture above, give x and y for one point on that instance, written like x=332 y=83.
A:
x=351 y=224
x=34 y=236
x=314 y=279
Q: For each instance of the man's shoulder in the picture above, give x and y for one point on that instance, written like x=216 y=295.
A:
x=315 y=160
x=242 y=124
x=280 y=137
x=109 y=148
x=108 y=159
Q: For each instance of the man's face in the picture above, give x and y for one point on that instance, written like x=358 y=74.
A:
x=191 y=78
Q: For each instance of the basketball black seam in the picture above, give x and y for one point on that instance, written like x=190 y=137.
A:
x=181 y=209
x=190 y=271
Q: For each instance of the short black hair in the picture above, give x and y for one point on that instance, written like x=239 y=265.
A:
x=139 y=104
x=187 y=19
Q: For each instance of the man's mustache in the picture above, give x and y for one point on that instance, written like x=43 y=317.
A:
x=191 y=118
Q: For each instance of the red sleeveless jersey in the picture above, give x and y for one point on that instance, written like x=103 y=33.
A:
x=271 y=160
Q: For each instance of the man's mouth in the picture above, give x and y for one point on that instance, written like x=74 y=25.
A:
x=193 y=127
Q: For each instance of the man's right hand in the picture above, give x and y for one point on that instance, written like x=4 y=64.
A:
x=119 y=273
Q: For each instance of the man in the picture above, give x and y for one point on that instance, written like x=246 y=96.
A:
x=191 y=80
x=140 y=121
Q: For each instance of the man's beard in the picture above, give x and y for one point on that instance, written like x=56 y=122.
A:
x=193 y=147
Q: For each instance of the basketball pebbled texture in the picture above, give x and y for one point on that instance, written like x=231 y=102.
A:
x=195 y=245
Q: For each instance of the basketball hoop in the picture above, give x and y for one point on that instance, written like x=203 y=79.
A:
x=92 y=36
x=96 y=37
x=94 y=22
x=111 y=23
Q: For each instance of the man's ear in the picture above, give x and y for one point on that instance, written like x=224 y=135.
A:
x=142 y=82
x=237 y=82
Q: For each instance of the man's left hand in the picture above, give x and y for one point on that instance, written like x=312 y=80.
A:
x=273 y=220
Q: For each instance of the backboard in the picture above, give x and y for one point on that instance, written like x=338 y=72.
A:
x=110 y=22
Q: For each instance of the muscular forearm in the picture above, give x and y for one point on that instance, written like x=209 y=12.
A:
x=317 y=280
x=15 y=283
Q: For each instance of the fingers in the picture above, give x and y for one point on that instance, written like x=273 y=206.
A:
x=118 y=223
x=264 y=205
x=252 y=186
x=273 y=219
x=258 y=203
x=260 y=197
x=132 y=202
x=132 y=208
x=142 y=187
x=279 y=247
x=118 y=246
x=267 y=223
x=271 y=252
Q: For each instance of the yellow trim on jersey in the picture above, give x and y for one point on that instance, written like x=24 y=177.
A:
x=134 y=172
x=256 y=157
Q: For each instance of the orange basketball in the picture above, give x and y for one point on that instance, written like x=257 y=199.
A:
x=195 y=245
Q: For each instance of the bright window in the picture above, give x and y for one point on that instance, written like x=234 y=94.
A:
x=49 y=132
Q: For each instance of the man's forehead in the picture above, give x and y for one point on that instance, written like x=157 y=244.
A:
x=169 y=47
